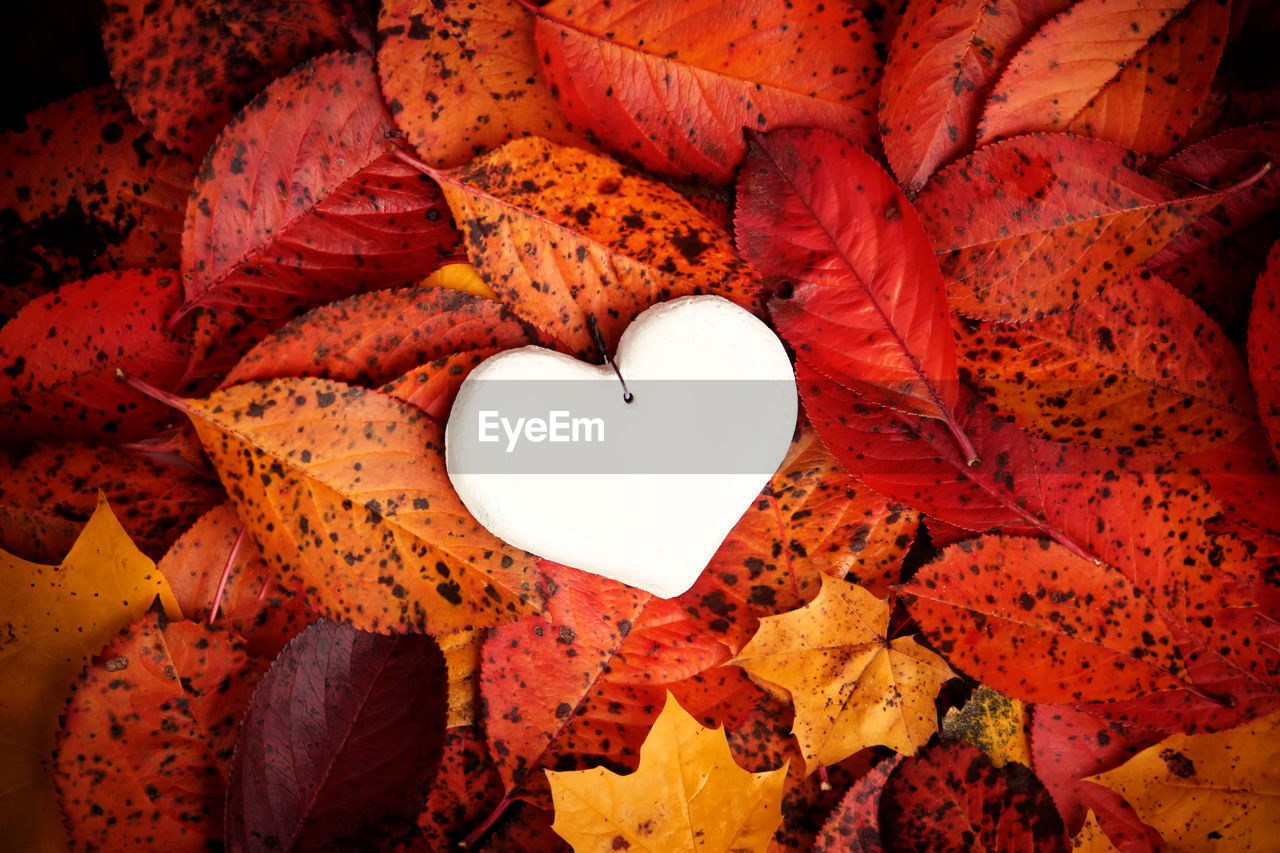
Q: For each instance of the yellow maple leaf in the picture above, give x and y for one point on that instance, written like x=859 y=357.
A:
x=994 y=723
x=1091 y=838
x=54 y=620
x=1217 y=791
x=851 y=686
x=687 y=795
x=462 y=277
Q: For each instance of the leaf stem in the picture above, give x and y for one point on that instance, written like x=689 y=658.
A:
x=226 y=573
x=145 y=387
x=479 y=832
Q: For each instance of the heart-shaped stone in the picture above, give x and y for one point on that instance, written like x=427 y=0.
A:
x=547 y=455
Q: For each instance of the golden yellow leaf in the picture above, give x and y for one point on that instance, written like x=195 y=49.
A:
x=687 y=795
x=1091 y=838
x=851 y=686
x=994 y=723
x=1218 y=791
x=459 y=277
x=55 y=619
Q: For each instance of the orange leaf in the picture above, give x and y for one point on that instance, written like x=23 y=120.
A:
x=1035 y=224
x=345 y=491
x=646 y=80
x=852 y=686
x=688 y=796
x=153 y=721
x=56 y=618
x=993 y=604
x=1132 y=72
x=462 y=78
x=563 y=236
x=1140 y=366
x=944 y=60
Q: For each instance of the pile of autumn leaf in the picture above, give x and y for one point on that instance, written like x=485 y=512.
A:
x=1014 y=586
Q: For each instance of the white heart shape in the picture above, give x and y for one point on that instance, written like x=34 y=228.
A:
x=648 y=503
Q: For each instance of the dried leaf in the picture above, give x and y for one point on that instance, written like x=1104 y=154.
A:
x=345 y=491
x=563 y=236
x=341 y=733
x=818 y=211
x=688 y=795
x=86 y=189
x=48 y=494
x=215 y=564
x=60 y=356
x=1132 y=72
x=104 y=584
x=854 y=824
x=1140 y=366
x=644 y=80
x=950 y=797
x=1207 y=791
x=991 y=604
x=302 y=201
x=943 y=62
x=374 y=338
x=852 y=685
x=186 y=66
x=994 y=723
x=1035 y=224
x=153 y=721
x=462 y=78
x=465 y=790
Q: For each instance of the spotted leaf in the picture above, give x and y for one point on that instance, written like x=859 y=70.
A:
x=250 y=601
x=1133 y=72
x=153 y=720
x=994 y=723
x=1140 y=366
x=48 y=493
x=433 y=386
x=345 y=491
x=991 y=604
x=852 y=685
x=1038 y=223
x=854 y=824
x=461 y=78
x=341 y=733
x=950 y=797
x=60 y=355
x=186 y=66
x=645 y=81
x=302 y=201
x=465 y=791
x=41 y=658
x=687 y=794
x=943 y=62
x=817 y=210
x=566 y=238
x=374 y=338
x=89 y=190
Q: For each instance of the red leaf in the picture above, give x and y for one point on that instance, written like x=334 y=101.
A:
x=341 y=733
x=60 y=356
x=87 y=190
x=854 y=824
x=916 y=461
x=145 y=746
x=950 y=797
x=992 y=604
x=646 y=80
x=302 y=201
x=1264 y=347
x=47 y=495
x=465 y=791
x=433 y=387
x=186 y=66
x=214 y=564
x=1066 y=78
x=374 y=338
x=944 y=60
x=1035 y=224
x=869 y=308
